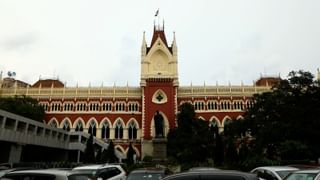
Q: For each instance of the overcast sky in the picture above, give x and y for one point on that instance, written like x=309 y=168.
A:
x=98 y=41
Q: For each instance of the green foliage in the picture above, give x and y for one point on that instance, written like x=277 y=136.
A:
x=108 y=155
x=98 y=156
x=289 y=113
x=147 y=159
x=89 y=151
x=293 y=150
x=188 y=143
x=130 y=155
x=24 y=106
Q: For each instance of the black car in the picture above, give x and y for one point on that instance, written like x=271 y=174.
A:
x=212 y=175
x=147 y=173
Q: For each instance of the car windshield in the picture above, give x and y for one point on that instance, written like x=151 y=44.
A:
x=88 y=172
x=150 y=176
x=301 y=176
x=284 y=173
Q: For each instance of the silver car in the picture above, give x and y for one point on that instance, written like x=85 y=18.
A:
x=309 y=174
x=273 y=172
x=43 y=174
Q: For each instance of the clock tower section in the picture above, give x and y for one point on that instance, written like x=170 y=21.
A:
x=159 y=84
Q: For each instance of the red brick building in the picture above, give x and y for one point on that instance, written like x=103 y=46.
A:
x=126 y=114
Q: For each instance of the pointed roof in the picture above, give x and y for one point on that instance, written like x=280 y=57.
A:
x=48 y=83
x=158 y=32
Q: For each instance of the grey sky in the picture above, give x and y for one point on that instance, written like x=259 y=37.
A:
x=85 y=41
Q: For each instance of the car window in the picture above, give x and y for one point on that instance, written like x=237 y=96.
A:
x=283 y=174
x=301 y=176
x=108 y=173
x=267 y=175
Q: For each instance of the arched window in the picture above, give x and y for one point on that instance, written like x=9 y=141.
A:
x=79 y=126
x=105 y=131
x=92 y=128
x=118 y=130
x=53 y=124
x=66 y=125
x=132 y=131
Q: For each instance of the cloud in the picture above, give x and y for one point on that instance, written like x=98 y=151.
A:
x=23 y=42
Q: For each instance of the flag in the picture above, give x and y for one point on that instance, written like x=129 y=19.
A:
x=157 y=12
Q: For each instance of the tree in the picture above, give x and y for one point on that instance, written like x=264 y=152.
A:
x=108 y=155
x=188 y=143
x=89 y=156
x=24 y=106
x=290 y=112
x=130 y=155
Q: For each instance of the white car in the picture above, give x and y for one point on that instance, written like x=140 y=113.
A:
x=102 y=171
x=273 y=172
x=43 y=174
x=308 y=174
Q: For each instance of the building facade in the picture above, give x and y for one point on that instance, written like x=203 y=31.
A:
x=126 y=114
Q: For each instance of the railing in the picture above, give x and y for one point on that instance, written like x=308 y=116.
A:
x=18 y=129
x=221 y=90
x=72 y=92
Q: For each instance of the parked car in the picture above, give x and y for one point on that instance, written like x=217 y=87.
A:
x=43 y=174
x=102 y=171
x=147 y=173
x=8 y=170
x=273 y=172
x=216 y=175
x=308 y=174
x=203 y=169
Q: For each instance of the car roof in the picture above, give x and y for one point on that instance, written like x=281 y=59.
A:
x=203 y=169
x=308 y=171
x=94 y=166
x=276 y=168
x=216 y=172
x=148 y=170
x=41 y=171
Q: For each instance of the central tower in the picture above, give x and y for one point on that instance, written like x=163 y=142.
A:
x=159 y=83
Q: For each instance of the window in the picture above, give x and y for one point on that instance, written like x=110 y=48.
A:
x=199 y=105
x=79 y=126
x=132 y=131
x=105 y=131
x=106 y=106
x=68 y=106
x=53 y=123
x=119 y=130
x=92 y=128
x=94 y=106
x=66 y=125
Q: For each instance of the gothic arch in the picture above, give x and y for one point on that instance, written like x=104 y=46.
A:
x=136 y=150
x=120 y=149
x=240 y=117
x=225 y=120
x=65 y=119
x=92 y=119
x=115 y=122
x=166 y=125
x=53 y=122
x=76 y=122
x=215 y=119
x=105 y=120
x=135 y=121
x=202 y=118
